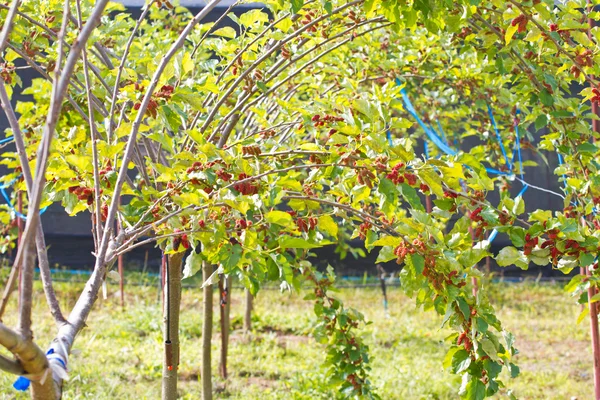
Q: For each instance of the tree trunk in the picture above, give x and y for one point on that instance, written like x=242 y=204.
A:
x=248 y=312
x=32 y=360
x=207 y=320
x=225 y=323
x=46 y=391
x=171 y=307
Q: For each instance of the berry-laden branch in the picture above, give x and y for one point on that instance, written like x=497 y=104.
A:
x=347 y=355
x=276 y=47
x=522 y=21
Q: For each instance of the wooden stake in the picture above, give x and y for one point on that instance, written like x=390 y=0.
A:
x=225 y=306
x=592 y=290
x=20 y=231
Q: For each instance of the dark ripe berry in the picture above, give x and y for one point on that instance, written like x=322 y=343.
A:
x=302 y=225
x=553 y=27
x=185 y=242
x=241 y=224
x=137 y=106
x=315 y=118
x=104 y=212
x=411 y=179
x=202 y=224
x=224 y=175
x=176 y=243
x=450 y=195
x=518 y=20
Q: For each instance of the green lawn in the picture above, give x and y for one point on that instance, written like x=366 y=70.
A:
x=119 y=355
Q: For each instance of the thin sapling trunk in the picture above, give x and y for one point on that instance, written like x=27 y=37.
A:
x=171 y=307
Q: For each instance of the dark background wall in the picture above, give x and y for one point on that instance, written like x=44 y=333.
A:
x=70 y=241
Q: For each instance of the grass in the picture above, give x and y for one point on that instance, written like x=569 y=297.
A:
x=119 y=355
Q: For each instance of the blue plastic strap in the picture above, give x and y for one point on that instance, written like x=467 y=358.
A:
x=497 y=172
x=560 y=163
x=9 y=203
x=426 y=149
x=22 y=383
x=525 y=187
x=441 y=130
x=430 y=132
x=492 y=236
x=388 y=135
x=8 y=139
x=498 y=136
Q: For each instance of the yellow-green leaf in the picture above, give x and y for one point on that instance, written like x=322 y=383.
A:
x=279 y=217
x=328 y=225
x=510 y=32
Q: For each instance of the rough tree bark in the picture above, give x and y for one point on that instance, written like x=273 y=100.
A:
x=207 y=320
x=225 y=309
x=61 y=346
x=171 y=307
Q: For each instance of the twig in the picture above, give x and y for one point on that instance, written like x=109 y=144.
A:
x=40 y=241
x=8 y=24
x=113 y=101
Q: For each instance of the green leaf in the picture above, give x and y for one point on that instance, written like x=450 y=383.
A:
x=546 y=98
x=297 y=5
x=519 y=207
x=254 y=18
x=385 y=254
x=289 y=242
x=490 y=349
x=509 y=256
x=388 y=189
x=464 y=307
x=475 y=390
x=229 y=256
x=584 y=313
x=328 y=225
x=461 y=360
x=411 y=196
x=360 y=193
x=471 y=257
x=514 y=370
x=510 y=32
x=517 y=236
x=227 y=32
x=418 y=263
x=388 y=241
x=541 y=121
x=261 y=85
x=587 y=148
x=193 y=264
x=450 y=355
x=433 y=181
x=279 y=218
x=540 y=215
